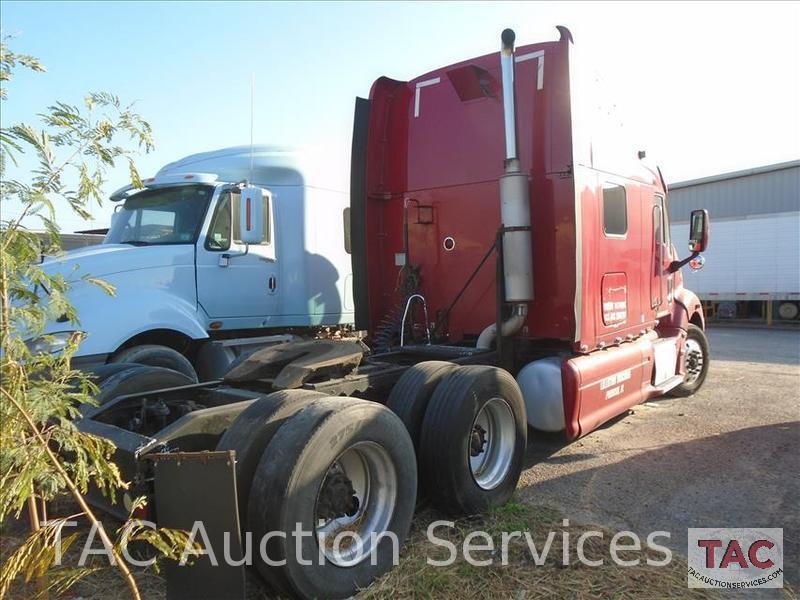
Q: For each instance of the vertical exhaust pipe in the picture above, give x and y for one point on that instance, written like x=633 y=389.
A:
x=515 y=211
x=509 y=109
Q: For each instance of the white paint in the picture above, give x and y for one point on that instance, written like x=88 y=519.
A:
x=752 y=258
x=665 y=357
x=615 y=379
x=539 y=55
x=615 y=312
x=421 y=85
x=182 y=286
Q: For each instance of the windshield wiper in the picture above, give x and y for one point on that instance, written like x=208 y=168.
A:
x=136 y=243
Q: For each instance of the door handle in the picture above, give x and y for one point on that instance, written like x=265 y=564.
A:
x=272 y=284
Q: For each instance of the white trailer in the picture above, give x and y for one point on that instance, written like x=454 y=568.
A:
x=753 y=267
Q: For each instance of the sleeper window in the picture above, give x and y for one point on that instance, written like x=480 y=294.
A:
x=615 y=210
x=347 y=239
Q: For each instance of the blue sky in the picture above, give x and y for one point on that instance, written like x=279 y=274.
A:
x=705 y=88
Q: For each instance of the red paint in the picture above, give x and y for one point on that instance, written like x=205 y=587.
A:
x=603 y=384
x=448 y=158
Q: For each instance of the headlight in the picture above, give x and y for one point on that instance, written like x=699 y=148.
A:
x=52 y=342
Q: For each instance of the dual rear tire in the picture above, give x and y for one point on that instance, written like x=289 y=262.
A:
x=327 y=486
x=470 y=430
x=327 y=491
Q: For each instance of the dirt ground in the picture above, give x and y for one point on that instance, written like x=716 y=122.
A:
x=726 y=457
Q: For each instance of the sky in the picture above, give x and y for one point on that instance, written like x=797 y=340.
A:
x=704 y=88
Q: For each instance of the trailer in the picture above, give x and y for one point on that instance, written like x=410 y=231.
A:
x=507 y=283
x=754 y=267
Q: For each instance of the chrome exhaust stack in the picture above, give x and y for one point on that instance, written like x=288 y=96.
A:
x=515 y=211
x=509 y=112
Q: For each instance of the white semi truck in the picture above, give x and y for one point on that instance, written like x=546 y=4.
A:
x=190 y=294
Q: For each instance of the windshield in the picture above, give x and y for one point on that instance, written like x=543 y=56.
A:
x=171 y=215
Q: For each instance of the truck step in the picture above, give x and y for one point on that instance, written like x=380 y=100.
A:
x=670 y=383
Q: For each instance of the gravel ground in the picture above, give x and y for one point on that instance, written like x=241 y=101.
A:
x=725 y=457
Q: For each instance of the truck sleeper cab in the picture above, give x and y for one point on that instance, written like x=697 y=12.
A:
x=187 y=287
x=604 y=295
x=496 y=294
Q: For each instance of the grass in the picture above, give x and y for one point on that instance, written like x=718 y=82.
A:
x=519 y=579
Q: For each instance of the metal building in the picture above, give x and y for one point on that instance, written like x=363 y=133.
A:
x=754 y=253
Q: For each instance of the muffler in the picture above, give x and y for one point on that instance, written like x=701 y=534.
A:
x=515 y=211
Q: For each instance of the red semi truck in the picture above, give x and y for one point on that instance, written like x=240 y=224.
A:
x=504 y=280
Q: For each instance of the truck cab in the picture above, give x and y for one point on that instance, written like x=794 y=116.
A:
x=187 y=287
x=603 y=300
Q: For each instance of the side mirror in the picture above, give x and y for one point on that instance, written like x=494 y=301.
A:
x=698 y=242
x=251 y=215
x=697 y=263
x=115 y=216
x=698 y=231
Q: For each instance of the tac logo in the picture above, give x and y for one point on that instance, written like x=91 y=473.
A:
x=735 y=558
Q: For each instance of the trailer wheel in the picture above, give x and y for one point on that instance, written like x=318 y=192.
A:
x=157 y=356
x=253 y=430
x=410 y=395
x=343 y=472
x=788 y=311
x=137 y=378
x=473 y=440
x=696 y=362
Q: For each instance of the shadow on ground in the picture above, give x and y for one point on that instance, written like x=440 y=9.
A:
x=757 y=345
x=744 y=478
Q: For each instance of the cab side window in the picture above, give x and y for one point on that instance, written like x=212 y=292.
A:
x=615 y=210
x=219 y=233
x=662 y=203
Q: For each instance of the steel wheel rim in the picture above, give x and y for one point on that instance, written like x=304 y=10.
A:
x=374 y=478
x=693 y=361
x=490 y=450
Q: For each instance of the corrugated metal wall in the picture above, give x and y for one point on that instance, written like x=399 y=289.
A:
x=766 y=190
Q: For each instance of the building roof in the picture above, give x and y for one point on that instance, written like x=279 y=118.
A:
x=772 y=189
x=736 y=174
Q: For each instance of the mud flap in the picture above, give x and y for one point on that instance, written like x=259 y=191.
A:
x=200 y=487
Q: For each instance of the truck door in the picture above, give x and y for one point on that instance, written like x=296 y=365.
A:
x=236 y=284
x=661 y=278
